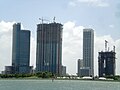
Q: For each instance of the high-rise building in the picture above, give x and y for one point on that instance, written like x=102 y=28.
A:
x=88 y=51
x=8 y=70
x=106 y=63
x=20 y=50
x=49 y=48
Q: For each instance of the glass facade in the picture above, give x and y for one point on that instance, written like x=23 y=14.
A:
x=88 y=50
x=20 y=49
x=49 y=48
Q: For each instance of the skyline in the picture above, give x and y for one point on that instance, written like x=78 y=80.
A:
x=101 y=15
x=71 y=49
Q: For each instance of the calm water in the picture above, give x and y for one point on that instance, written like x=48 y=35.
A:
x=57 y=85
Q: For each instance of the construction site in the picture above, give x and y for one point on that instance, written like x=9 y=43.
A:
x=106 y=61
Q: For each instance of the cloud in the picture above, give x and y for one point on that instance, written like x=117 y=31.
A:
x=111 y=26
x=5 y=43
x=117 y=44
x=96 y=3
x=72 y=46
x=73 y=4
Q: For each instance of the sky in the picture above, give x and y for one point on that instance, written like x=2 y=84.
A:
x=101 y=15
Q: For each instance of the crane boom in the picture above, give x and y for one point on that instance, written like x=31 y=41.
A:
x=106 y=42
x=42 y=19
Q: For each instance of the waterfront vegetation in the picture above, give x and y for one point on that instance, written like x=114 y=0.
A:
x=117 y=77
x=37 y=75
x=48 y=75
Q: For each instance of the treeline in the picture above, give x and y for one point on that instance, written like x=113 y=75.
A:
x=37 y=75
x=117 y=77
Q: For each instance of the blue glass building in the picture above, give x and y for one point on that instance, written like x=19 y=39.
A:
x=88 y=51
x=49 y=48
x=20 y=50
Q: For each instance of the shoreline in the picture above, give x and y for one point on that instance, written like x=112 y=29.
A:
x=57 y=79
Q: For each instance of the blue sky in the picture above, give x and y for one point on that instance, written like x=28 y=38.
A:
x=101 y=15
x=83 y=13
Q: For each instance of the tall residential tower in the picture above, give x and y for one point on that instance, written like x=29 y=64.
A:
x=49 y=48
x=88 y=51
x=20 y=50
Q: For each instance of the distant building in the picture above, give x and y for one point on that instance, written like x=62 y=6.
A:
x=80 y=65
x=88 y=51
x=20 y=50
x=8 y=70
x=106 y=63
x=49 y=48
x=84 y=71
x=3 y=72
x=63 y=70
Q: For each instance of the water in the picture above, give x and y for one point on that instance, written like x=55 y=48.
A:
x=58 y=85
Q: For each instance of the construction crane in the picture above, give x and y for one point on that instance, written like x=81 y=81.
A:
x=114 y=48
x=42 y=19
x=106 y=42
x=54 y=19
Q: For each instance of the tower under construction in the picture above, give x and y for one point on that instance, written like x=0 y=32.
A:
x=49 y=48
x=106 y=62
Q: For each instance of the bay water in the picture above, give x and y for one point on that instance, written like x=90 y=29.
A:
x=57 y=85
